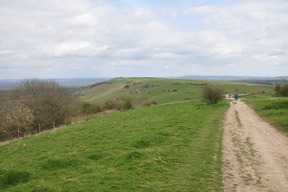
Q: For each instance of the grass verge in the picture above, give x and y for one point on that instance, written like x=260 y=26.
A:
x=273 y=109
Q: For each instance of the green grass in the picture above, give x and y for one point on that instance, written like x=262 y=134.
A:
x=169 y=147
x=175 y=147
x=272 y=109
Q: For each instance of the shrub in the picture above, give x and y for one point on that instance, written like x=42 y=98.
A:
x=120 y=103
x=281 y=89
x=277 y=89
x=212 y=94
x=284 y=90
x=88 y=108
x=127 y=104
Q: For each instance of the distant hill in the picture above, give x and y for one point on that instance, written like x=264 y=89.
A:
x=243 y=79
x=73 y=84
x=222 y=78
x=271 y=81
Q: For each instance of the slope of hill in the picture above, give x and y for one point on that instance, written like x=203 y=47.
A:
x=173 y=147
x=143 y=90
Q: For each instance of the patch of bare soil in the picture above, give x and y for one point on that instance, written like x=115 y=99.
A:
x=255 y=154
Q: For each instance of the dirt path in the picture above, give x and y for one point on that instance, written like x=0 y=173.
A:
x=255 y=154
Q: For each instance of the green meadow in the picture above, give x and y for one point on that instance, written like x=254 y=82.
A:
x=173 y=146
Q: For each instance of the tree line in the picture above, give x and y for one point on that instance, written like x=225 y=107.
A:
x=35 y=106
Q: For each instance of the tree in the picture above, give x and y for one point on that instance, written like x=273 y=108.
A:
x=277 y=89
x=281 y=89
x=284 y=90
x=15 y=117
x=51 y=104
x=212 y=94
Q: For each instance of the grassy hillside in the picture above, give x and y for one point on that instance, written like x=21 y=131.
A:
x=271 y=108
x=143 y=90
x=172 y=147
x=175 y=147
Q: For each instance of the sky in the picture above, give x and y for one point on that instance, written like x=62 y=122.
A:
x=142 y=38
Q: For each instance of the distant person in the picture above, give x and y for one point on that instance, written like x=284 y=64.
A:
x=236 y=96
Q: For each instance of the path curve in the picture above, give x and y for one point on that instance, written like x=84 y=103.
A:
x=255 y=154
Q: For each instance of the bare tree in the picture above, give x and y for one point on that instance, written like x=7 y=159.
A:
x=16 y=118
x=52 y=105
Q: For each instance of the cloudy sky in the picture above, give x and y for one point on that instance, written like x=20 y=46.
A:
x=111 y=38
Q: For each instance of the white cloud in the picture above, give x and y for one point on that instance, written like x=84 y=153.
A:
x=84 y=19
x=166 y=56
x=66 y=48
x=6 y=52
x=70 y=48
x=102 y=36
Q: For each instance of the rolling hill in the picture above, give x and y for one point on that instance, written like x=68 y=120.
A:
x=143 y=90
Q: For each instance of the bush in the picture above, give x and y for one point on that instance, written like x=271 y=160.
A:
x=120 y=103
x=281 y=89
x=88 y=108
x=212 y=94
x=127 y=105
